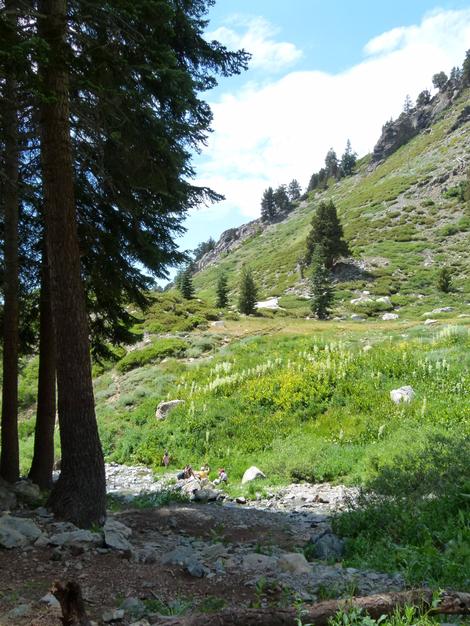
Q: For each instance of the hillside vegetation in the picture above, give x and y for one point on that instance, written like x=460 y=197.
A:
x=402 y=220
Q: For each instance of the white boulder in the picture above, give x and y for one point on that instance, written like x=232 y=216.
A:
x=270 y=303
x=384 y=300
x=166 y=407
x=402 y=394
x=429 y=322
x=389 y=316
x=252 y=473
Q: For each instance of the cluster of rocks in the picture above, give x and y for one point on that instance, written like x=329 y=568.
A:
x=38 y=528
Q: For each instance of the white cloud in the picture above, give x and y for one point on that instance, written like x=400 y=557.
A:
x=268 y=134
x=258 y=39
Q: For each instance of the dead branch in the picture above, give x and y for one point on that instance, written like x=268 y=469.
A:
x=450 y=603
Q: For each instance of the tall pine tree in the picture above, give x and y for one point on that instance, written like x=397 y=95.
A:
x=321 y=286
x=247 y=293
x=326 y=235
x=268 y=208
x=222 y=291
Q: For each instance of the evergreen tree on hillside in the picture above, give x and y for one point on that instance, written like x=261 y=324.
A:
x=248 y=292
x=268 y=208
x=222 y=291
x=326 y=235
x=423 y=98
x=331 y=163
x=321 y=286
x=407 y=105
x=186 y=285
x=444 y=279
x=455 y=77
x=466 y=69
x=439 y=81
x=281 y=200
x=348 y=160
x=203 y=248
x=294 y=190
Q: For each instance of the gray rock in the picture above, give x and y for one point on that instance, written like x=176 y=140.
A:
x=356 y=317
x=164 y=408
x=116 y=534
x=442 y=309
x=252 y=473
x=50 y=600
x=179 y=556
x=133 y=607
x=196 y=569
x=22 y=610
x=147 y=555
x=113 y=615
x=240 y=500
x=328 y=546
x=387 y=317
x=27 y=491
x=141 y=622
x=429 y=322
x=76 y=536
x=295 y=563
x=206 y=495
x=215 y=551
x=258 y=562
x=10 y=538
x=22 y=525
x=7 y=497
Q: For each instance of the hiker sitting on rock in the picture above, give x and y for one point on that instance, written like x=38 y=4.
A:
x=166 y=459
x=203 y=472
x=222 y=478
x=186 y=473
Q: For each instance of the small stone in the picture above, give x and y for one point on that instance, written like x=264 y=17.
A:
x=196 y=569
x=240 y=500
x=133 y=607
x=295 y=563
x=113 y=615
x=50 y=600
x=23 y=610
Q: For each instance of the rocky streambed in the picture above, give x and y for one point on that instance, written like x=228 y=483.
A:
x=147 y=560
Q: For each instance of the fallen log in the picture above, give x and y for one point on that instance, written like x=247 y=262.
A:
x=71 y=603
x=449 y=603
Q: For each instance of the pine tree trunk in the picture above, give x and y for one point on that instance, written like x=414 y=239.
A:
x=80 y=493
x=9 y=459
x=43 y=458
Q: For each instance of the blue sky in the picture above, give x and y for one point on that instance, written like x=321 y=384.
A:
x=321 y=72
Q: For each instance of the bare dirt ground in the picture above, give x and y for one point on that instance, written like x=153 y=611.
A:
x=107 y=579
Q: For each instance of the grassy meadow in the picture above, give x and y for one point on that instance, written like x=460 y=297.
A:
x=307 y=401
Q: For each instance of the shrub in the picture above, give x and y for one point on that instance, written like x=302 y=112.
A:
x=158 y=350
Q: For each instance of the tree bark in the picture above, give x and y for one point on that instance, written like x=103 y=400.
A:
x=43 y=458
x=9 y=459
x=450 y=603
x=80 y=493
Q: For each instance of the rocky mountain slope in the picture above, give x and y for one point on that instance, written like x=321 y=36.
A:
x=404 y=213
